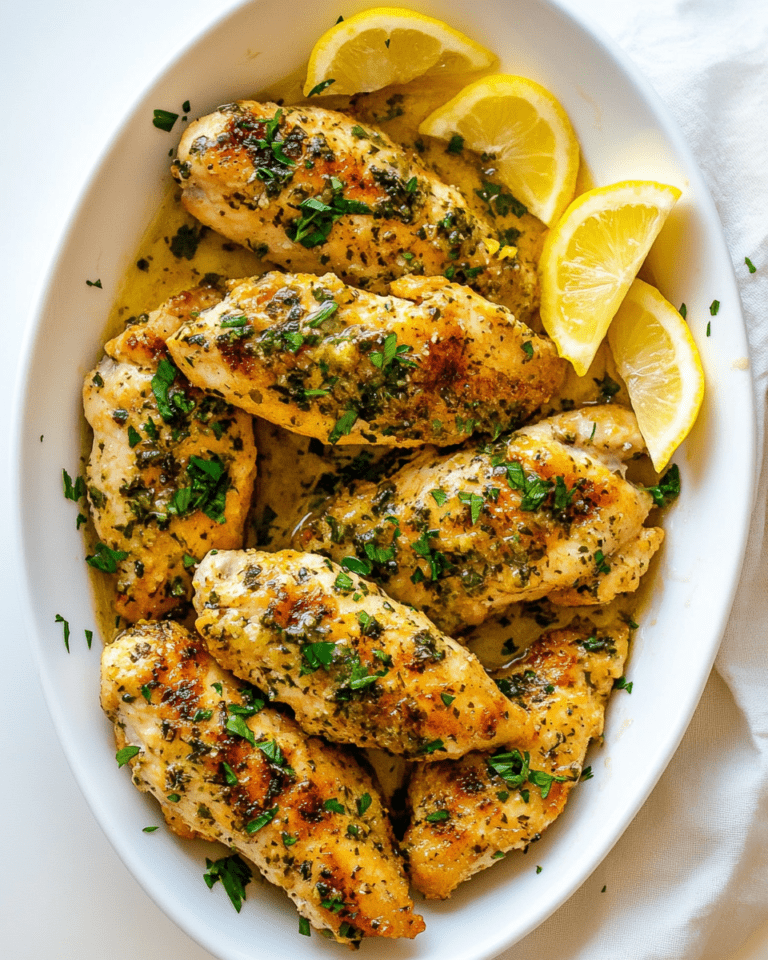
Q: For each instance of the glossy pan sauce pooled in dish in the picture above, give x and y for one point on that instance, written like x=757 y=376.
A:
x=335 y=463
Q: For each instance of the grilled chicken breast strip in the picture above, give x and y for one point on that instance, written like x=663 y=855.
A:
x=462 y=535
x=428 y=365
x=313 y=190
x=171 y=469
x=353 y=665
x=303 y=811
x=465 y=815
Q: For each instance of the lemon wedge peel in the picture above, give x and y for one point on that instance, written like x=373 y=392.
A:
x=657 y=358
x=526 y=129
x=591 y=257
x=387 y=45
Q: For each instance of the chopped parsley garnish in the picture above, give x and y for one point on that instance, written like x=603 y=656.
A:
x=447 y=699
x=237 y=725
x=304 y=928
x=533 y=488
x=750 y=266
x=586 y=774
x=81 y=519
x=315 y=656
x=173 y=797
x=146 y=692
x=317 y=218
x=60 y=619
x=89 y=638
x=433 y=746
x=379 y=555
x=595 y=644
x=126 y=754
x=288 y=839
x=253 y=826
x=439 y=496
x=392 y=354
x=161 y=385
x=271 y=750
x=105 y=559
x=475 y=502
x=94 y=283
x=500 y=203
x=356 y=565
x=601 y=563
x=667 y=489
x=623 y=684
x=455 y=144
x=323 y=85
x=607 y=388
x=201 y=715
x=210 y=482
x=438 y=563
x=363 y=803
x=327 y=310
x=134 y=437
x=185 y=241
x=73 y=491
x=230 y=777
x=149 y=829
x=714 y=307
x=343 y=426
x=235 y=875
x=333 y=806
x=528 y=349
x=437 y=816
x=683 y=311
x=164 y=119
x=343 y=582
x=514 y=768
x=538 y=869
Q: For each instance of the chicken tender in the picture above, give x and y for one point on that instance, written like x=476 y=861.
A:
x=313 y=190
x=353 y=665
x=467 y=814
x=431 y=364
x=171 y=469
x=225 y=767
x=463 y=535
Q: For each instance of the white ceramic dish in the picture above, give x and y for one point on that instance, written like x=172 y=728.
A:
x=625 y=133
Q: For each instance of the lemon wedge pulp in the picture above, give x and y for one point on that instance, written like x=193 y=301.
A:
x=657 y=358
x=389 y=45
x=524 y=127
x=591 y=257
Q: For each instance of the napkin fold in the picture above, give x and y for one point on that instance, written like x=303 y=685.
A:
x=689 y=878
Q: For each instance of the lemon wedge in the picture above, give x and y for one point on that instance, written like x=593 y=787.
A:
x=389 y=45
x=657 y=358
x=591 y=257
x=526 y=129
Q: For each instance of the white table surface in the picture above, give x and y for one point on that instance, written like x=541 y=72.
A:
x=68 y=72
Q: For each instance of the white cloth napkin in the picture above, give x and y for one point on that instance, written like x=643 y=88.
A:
x=689 y=878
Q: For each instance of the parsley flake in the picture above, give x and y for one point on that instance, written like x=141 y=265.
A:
x=164 y=119
x=105 y=559
x=235 y=875
x=126 y=754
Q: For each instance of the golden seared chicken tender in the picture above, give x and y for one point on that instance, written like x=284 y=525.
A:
x=543 y=512
x=353 y=665
x=171 y=469
x=313 y=190
x=303 y=811
x=430 y=364
x=465 y=815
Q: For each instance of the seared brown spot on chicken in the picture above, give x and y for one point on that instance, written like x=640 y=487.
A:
x=542 y=511
x=467 y=814
x=313 y=190
x=354 y=666
x=431 y=364
x=276 y=799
